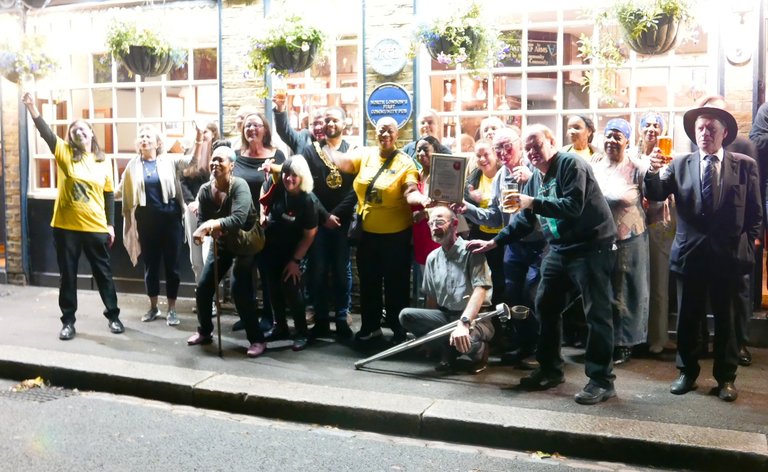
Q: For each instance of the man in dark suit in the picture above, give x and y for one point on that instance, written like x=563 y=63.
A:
x=719 y=216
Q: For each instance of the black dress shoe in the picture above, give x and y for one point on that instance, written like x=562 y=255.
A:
x=516 y=357
x=67 y=332
x=593 y=394
x=727 y=392
x=116 y=326
x=238 y=326
x=343 y=331
x=745 y=357
x=684 y=384
x=538 y=380
x=320 y=330
x=277 y=333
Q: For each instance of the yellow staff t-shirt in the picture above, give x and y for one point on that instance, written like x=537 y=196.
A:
x=80 y=202
x=386 y=210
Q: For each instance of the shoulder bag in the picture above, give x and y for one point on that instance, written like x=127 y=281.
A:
x=355 y=231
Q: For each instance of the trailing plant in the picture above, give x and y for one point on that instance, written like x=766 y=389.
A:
x=122 y=35
x=27 y=60
x=292 y=32
x=464 y=38
x=625 y=20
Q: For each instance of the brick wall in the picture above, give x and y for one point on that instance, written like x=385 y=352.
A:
x=12 y=183
x=240 y=20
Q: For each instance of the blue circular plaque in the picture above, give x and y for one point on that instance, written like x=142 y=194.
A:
x=392 y=100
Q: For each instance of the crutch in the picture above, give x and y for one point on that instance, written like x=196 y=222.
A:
x=216 y=300
x=502 y=311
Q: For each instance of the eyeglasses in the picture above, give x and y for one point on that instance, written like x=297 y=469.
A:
x=508 y=146
x=437 y=222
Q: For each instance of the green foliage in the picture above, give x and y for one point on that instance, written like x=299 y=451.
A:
x=122 y=35
x=639 y=16
x=464 y=38
x=607 y=50
x=26 y=61
x=292 y=32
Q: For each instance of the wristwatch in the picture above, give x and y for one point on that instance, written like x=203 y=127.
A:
x=466 y=320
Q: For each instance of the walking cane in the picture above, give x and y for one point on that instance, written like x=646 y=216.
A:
x=216 y=300
x=502 y=311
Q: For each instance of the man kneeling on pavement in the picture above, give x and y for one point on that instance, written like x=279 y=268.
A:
x=456 y=285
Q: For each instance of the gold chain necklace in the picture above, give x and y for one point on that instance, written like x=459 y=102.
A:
x=334 y=176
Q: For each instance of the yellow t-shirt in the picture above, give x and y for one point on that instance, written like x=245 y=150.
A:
x=80 y=202
x=485 y=188
x=386 y=211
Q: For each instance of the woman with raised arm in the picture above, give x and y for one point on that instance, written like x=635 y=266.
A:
x=153 y=206
x=83 y=216
x=192 y=178
x=386 y=182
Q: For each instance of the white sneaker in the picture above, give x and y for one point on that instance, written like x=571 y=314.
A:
x=172 y=319
x=151 y=314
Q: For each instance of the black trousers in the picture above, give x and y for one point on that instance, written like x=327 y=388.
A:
x=286 y=296
x=590 y=275
x=69 y=244
x=725 y=297
x=161 y=235
x=383 y=265
x=242 y=292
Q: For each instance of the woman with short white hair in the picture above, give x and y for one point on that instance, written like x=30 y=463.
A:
x=290 y=219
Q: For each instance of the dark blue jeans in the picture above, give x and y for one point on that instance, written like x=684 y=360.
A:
x=522 y=263
x=330 y=255
x=590 y=274
x=161 y=235
x=69 y=244
x=242 y=292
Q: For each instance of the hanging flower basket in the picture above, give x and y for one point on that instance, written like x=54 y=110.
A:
x=658 y=40
x=27 y=61
x=440 y=47
x=290 y=61
x=36 y=3
x=143 y=50
x=146 y=61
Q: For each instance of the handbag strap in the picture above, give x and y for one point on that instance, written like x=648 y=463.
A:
x=386 y=164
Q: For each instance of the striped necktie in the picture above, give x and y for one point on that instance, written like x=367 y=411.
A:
x=708 y=185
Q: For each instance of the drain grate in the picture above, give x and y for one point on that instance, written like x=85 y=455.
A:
x=38 y=395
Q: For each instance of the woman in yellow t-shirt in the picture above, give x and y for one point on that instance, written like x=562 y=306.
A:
x=83 y=216
x=384 y=251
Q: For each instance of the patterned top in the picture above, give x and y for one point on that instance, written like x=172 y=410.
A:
x=621 y=184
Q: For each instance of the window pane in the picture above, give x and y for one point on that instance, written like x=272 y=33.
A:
x=542 y=48
x=571 y=36
x=102 y=68
x=652 y=85
x=689 y=85
x=205 y=64
x=46 y=173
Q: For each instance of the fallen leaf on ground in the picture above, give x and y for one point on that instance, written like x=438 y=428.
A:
x=24 y=385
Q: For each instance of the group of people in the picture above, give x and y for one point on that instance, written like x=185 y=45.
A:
x=598 y=230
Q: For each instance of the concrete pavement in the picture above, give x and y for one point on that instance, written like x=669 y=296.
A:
x=403 y=396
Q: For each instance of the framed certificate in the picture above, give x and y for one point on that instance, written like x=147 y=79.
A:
x=447 y=178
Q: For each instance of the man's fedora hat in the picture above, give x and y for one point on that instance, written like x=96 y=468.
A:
x=690 y=117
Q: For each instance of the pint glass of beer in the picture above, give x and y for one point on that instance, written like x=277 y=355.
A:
x=510 y=197
x=665 y=144
x=279 y=89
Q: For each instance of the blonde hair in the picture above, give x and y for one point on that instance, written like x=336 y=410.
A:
x=296 y=164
